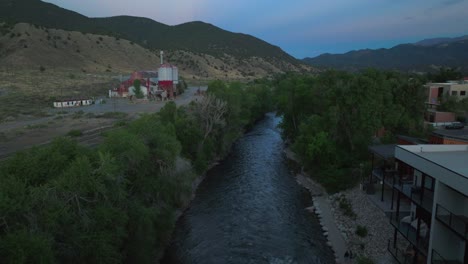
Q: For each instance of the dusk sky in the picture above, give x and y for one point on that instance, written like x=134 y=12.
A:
x=303 y=28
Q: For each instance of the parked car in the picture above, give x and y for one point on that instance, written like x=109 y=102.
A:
x=455 y=125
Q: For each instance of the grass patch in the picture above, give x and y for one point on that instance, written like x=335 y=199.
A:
x=78 y=114
x=19 y=133
x=75 y=133
x=36 y=126
x=120 y=123
x=361 y=231
x=3 y=137
x=16 y=103
x=113 y=115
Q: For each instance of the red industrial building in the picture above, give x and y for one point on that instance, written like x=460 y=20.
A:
x=161 y=82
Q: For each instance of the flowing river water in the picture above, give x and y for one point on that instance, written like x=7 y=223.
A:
x=249 y=209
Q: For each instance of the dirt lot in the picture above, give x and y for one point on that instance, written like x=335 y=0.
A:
x=29 y=131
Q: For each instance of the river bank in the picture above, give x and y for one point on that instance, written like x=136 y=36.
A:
x=249 y=209
x=340 y=225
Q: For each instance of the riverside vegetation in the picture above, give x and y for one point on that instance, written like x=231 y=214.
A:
x=116 y=204
x=331 y=118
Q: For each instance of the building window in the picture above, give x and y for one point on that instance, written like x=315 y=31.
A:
x=454 y=93
x=463 y=93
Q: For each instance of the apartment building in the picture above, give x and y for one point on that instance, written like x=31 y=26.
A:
x=435 y=91
x=429 y=203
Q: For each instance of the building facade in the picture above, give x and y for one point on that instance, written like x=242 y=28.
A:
x=436 y=91
x=433 y=181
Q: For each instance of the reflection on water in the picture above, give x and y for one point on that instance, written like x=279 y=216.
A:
x=249 y=209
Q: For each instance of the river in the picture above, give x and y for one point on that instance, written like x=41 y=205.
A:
x=249 y=209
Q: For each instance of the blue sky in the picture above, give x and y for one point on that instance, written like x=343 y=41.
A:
x=303 y=28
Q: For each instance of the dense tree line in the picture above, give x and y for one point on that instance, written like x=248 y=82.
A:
x=116 y=204
x=331 y=118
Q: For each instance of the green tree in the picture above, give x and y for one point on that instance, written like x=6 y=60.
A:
x=137 y=89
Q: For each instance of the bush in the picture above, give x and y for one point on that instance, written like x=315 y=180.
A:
x=364 y=260
x=361 y=231
x=75 y=133
x=346 y=207
x=42 y=68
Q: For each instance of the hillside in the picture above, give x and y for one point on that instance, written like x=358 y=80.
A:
x=196 y=37
x=405 y=57
x=25 y=46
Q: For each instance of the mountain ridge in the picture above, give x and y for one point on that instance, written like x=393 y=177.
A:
x=439 y=40
x=422 y=57
x=193 y=36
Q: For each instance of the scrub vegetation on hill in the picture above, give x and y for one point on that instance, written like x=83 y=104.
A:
x=65 y=203
x=193 y=36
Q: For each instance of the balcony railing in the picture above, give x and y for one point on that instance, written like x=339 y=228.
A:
x=419 y=240
x=401 y=256
x=458 y=223
x=438 y=259
x=425 y=200
x=384 y=175
x=415 y=193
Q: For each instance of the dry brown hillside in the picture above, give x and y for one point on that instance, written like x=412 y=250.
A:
x=39 y=64
x=29 y=47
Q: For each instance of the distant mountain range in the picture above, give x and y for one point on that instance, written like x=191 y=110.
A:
x=437 y=41
x=423 y=56
x=198 y=38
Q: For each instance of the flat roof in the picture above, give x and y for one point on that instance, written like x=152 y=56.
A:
x=451 y=157
x=384 y=151
x=413 y=140
x=453 y=133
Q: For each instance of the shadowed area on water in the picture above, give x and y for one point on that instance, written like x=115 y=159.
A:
x=249 y=209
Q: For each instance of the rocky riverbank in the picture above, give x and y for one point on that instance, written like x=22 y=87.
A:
x=363 y=225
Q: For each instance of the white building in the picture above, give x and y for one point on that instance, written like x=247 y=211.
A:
x=72 y=103
x=433 y=180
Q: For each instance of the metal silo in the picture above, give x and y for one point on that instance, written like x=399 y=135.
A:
x=165 y=79
x=175 y=74
x=165 y=72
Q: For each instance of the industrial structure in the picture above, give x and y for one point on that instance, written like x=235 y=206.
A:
x=158 y=84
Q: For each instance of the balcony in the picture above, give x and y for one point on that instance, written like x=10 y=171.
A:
x=438 y=259
x=408 y=228
x=425 y=200
x=457 y=223
x=415 y=193
x=401 y=256
x=387 y=176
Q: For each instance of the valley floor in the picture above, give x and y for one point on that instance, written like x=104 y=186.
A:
x=27 y=132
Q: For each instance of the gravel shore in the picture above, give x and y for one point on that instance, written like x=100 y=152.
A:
x=369 y=216
x=366 y=214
